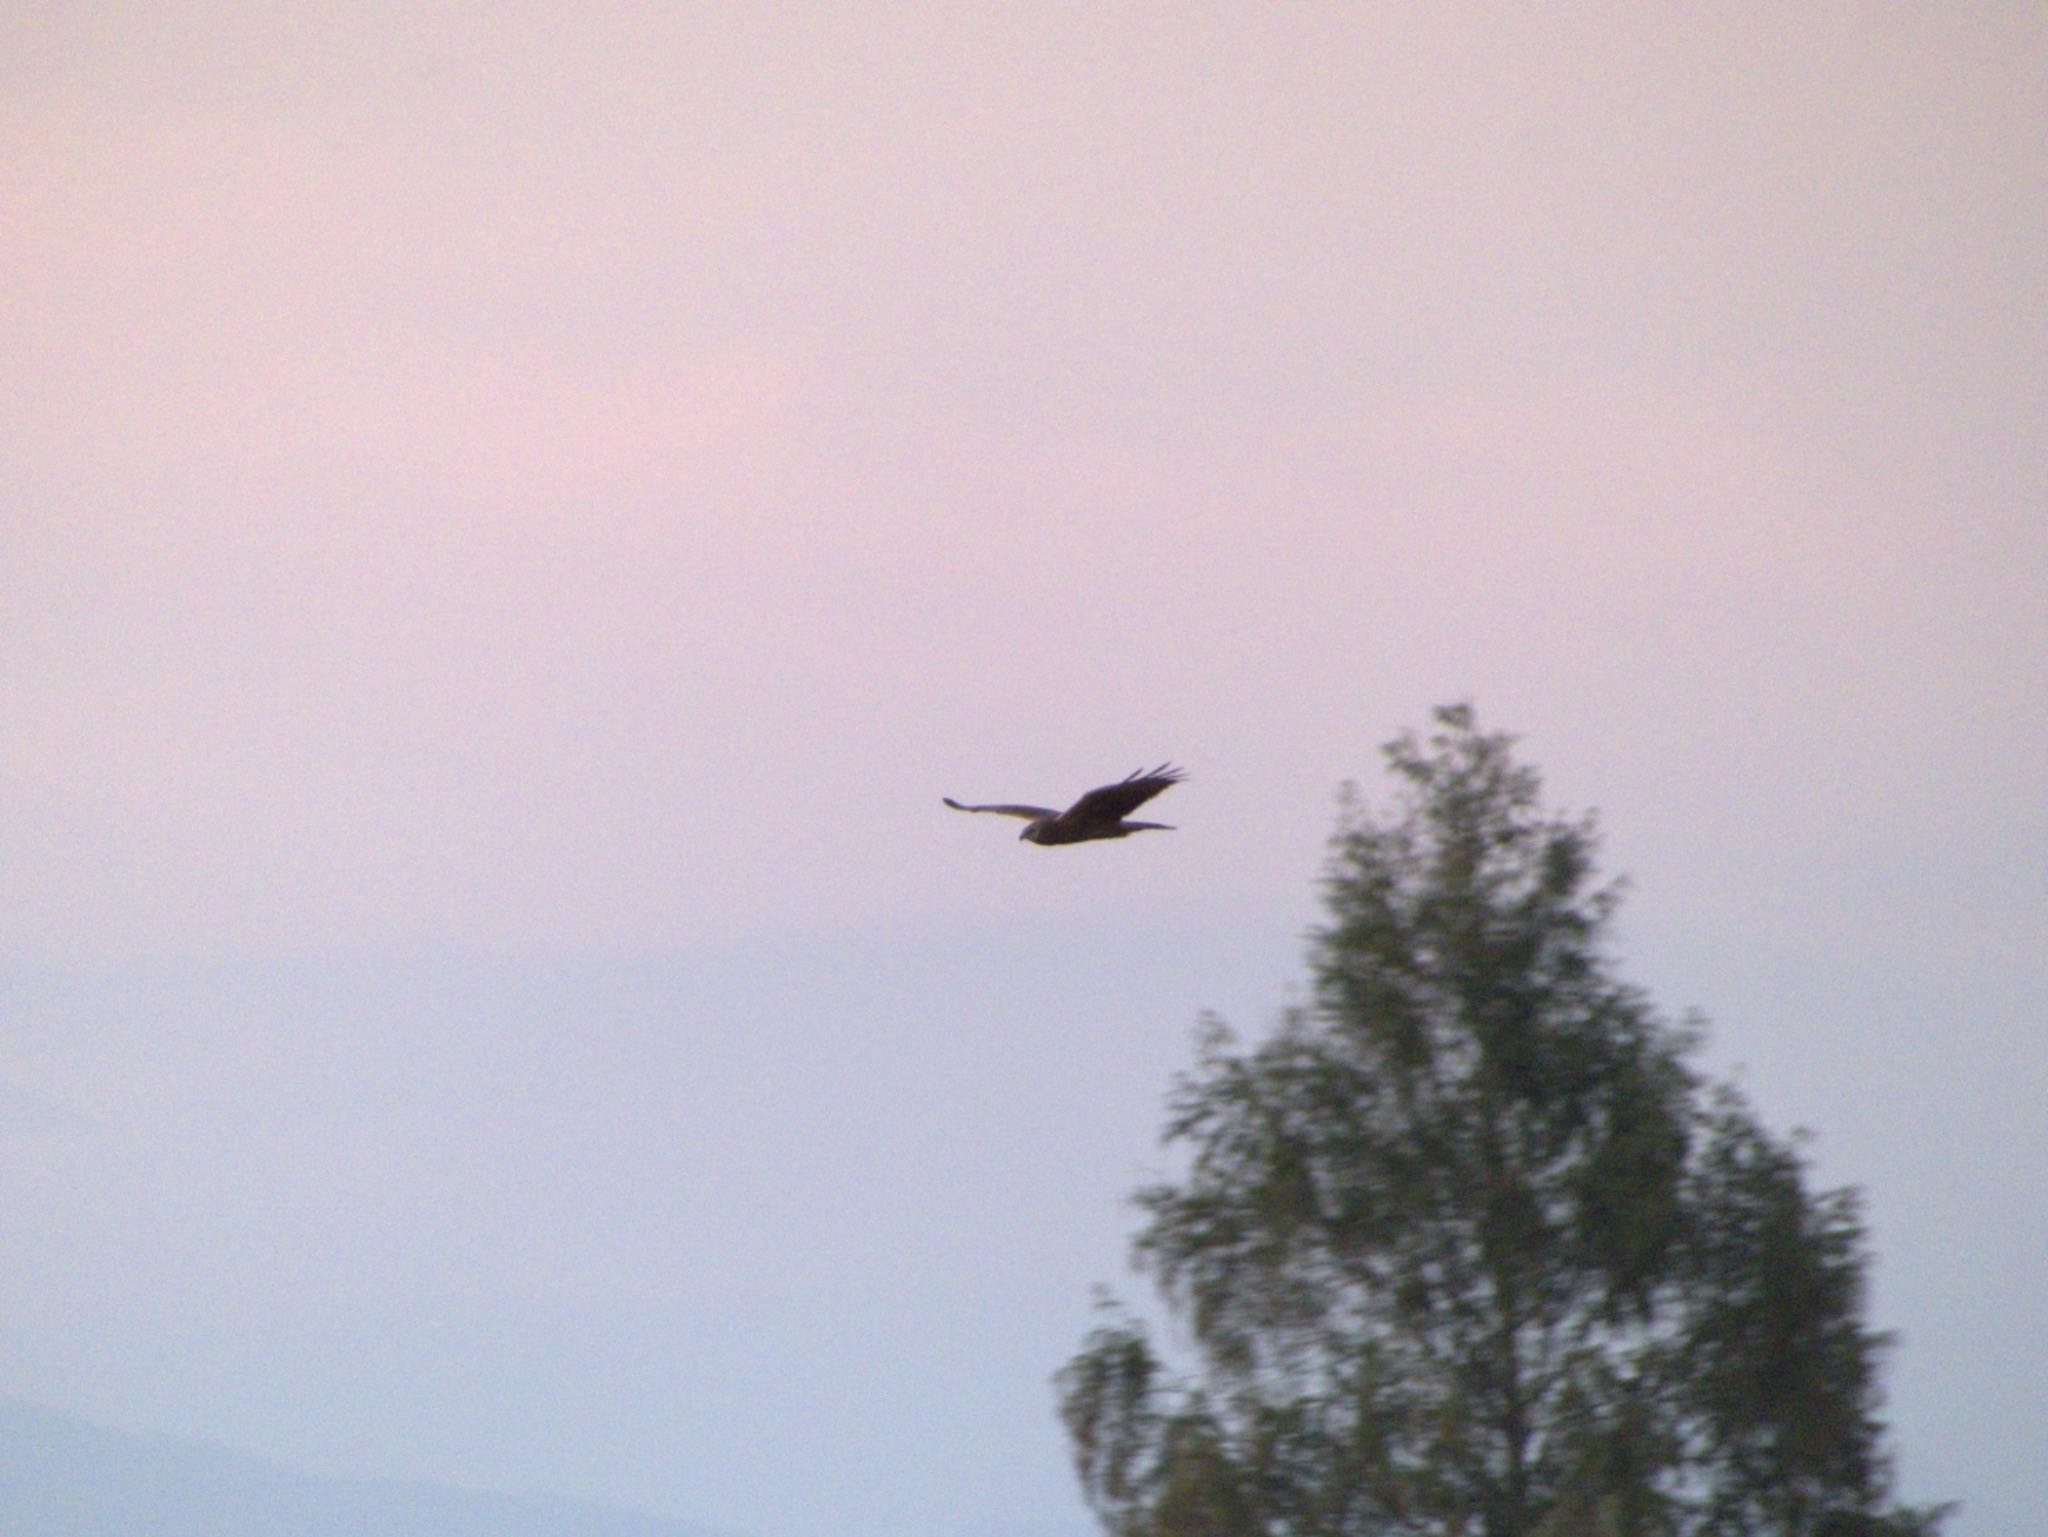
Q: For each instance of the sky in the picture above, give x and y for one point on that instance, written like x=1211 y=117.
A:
x=513 y=517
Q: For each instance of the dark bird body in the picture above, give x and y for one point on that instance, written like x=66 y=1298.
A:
x=1098 y=814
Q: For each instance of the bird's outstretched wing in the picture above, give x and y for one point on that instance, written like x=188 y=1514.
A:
x=1028 y=812
x=1112 y=803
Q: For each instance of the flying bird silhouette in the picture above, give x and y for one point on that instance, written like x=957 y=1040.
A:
x=1098 y=814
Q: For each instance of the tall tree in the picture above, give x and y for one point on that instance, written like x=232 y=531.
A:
x=1467 y=1247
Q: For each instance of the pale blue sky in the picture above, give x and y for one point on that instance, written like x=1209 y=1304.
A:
x=513 y=518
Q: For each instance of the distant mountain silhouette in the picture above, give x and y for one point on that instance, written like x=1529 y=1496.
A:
x=62 y=1477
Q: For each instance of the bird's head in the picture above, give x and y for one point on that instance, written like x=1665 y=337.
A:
x=1031 y=831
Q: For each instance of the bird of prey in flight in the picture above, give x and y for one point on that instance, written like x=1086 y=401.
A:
x=1098 y=814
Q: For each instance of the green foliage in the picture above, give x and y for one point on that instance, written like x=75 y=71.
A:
x=1466 y=1247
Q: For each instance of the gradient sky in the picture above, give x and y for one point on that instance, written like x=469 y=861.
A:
x=511 y=517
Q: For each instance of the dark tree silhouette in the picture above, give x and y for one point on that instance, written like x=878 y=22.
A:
x=1467 y=1247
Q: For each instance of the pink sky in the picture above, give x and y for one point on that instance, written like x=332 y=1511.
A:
x=574 y=484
